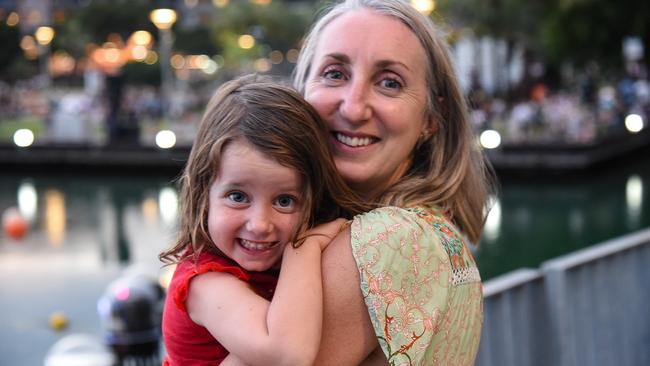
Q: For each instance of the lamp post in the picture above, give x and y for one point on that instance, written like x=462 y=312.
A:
x=163 y=19
x=44 y=36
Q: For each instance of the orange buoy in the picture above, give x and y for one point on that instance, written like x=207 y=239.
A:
x=14 y=224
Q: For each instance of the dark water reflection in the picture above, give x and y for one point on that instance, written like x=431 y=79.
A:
x=541 y=217
x=119 y=215
x=127 y=220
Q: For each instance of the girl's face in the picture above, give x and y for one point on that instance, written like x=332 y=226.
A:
x=255 y=206
x=368 y=81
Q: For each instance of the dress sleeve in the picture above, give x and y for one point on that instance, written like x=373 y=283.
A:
x=182 y=290
x=405 y=277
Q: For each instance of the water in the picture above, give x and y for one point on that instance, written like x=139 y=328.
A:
x=86 y=231
x=544 y=216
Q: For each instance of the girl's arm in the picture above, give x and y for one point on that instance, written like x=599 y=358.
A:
x=285 y=331
x=233 y=360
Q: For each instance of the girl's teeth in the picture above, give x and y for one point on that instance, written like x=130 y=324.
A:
x=353 y=141
x=258 y=246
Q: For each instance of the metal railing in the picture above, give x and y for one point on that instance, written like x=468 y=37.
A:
x=590 y=307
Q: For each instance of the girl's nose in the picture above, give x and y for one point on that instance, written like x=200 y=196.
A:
x=355 y=106
x=260 y=221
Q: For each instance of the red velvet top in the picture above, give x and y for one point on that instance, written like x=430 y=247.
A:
x=189 y=344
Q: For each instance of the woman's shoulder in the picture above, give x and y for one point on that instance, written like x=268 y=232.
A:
x=397 y=226
x=426 y=228
x=413 y=217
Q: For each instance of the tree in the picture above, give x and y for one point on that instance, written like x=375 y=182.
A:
x=9 y=39
x=593 y=30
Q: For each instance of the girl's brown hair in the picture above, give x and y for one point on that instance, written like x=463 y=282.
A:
x=276 y=120
x=448 y=168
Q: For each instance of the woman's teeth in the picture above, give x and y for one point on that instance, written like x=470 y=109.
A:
x=258 y=245
x=353 y=141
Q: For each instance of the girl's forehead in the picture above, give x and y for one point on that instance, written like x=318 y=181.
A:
x=244 y=163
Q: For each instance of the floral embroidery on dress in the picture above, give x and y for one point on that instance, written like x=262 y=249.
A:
x=420 y=284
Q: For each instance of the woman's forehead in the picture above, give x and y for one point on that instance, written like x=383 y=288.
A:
x=368 y=34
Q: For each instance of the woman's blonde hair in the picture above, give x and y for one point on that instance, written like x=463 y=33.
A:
x=277 y=121
x=448 y=168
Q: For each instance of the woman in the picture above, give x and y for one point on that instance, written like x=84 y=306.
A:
x=400 y=285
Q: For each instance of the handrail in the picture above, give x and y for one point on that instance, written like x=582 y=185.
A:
x=589 y=307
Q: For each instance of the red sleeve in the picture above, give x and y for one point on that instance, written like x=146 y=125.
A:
x=180 y=295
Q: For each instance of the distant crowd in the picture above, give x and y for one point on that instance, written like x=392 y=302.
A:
x=591 y=110
x=582 y=115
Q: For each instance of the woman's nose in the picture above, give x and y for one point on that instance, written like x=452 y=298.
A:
x=260 y=220
x=355 y=106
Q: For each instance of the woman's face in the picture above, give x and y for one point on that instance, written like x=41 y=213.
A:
x=368 y=81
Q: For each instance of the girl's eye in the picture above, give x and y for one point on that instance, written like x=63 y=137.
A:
x=237 y=197
x=285 y=201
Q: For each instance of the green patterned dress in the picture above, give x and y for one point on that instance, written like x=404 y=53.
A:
x=420 y=284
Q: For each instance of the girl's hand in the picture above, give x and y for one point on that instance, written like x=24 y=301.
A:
x=324 y=233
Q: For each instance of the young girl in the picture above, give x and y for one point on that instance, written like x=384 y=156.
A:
x=259 y=175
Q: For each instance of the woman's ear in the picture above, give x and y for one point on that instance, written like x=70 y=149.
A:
x=430 y=127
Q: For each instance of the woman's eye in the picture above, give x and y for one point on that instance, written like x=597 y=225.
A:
x=333 y=75
x=391 y=84
x=238 y=197
x=285 y=201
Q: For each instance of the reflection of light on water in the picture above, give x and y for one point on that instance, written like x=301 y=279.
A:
x=576 y=221
x=634 y=198
x=27 y=201
x=492 y=228
x=55 y=216
x=168 y=202
x=150 y=210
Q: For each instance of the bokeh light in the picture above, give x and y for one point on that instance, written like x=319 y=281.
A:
x=23 y=137
x=165 y=139
x=490 y=139
x=246 y=41
x=424 y=6
x=634 y=123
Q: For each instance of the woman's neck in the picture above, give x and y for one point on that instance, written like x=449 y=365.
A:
x=371 y=190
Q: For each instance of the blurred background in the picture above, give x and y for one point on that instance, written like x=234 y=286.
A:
x=100 y=101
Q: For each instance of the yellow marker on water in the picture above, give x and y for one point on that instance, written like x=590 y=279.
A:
x=58 y=320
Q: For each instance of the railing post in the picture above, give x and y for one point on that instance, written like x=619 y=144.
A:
x=561 y=329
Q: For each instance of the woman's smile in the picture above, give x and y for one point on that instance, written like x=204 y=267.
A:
x=354 y=141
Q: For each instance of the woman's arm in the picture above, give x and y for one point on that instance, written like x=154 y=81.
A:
x=348 y=337
x=285 y=331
